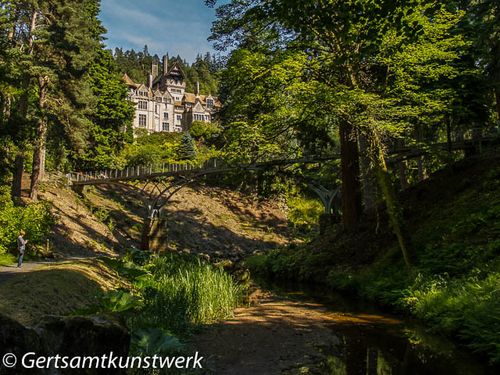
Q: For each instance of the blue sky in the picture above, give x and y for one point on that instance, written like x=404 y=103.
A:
x=179 y=27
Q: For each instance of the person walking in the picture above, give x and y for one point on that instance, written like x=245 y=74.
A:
x=21 y=247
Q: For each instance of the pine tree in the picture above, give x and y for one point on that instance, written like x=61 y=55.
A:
x=70 y=40
x=187 y=148
x=112 y=116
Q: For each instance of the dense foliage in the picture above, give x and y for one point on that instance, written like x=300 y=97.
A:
x=35 y=219
x=60 y=89
x=363 y=79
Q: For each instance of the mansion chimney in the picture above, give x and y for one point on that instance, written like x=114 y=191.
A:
x=197 y=88
x=150 y=81
x=165 y=64
x=154 y=69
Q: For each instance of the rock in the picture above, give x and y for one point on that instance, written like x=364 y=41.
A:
x=66 y=336
x=77 y=335
x=17 y=339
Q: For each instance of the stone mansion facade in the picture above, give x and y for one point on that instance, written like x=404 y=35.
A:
x=163 y=105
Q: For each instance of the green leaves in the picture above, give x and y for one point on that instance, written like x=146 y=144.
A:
x=120 y=301
x=154 y=341
x=35 y=219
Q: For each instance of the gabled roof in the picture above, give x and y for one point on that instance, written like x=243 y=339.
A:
x=142 y=86
x=198 y=107
x=192 y=98
x=128 y=81
x=176 y=67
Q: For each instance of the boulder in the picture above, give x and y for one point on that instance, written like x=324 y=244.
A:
x=66 y=336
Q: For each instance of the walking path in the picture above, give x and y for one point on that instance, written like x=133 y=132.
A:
x=9 y=271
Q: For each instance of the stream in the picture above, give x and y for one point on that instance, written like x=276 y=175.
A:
x=295 y=330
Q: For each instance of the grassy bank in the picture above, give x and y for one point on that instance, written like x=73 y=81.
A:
x=55 y=289
x=454 y=219
x=171 y=296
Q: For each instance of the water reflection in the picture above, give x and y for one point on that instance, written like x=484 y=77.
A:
x=374 y=350
x=368 y=341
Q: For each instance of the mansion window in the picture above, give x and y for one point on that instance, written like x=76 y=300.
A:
x=165 y=115
x=198 y=117
x=143 y=93
x=157 y=109
x=169 y=101
x=143 y=104
x=179 y=118
x=142 y=121
x=159 y=99
x=165 y=127
x=210 y=103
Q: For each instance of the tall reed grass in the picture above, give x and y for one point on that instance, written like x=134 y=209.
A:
x=181 y=291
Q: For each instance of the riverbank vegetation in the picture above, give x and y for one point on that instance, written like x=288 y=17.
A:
x=170 y=297
x=454 y=218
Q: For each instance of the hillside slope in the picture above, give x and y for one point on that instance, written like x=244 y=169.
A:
x=106 y=222
x=454 y=222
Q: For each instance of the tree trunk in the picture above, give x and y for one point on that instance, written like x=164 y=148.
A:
x=23 y=112
x=38 y=158
x=495 y=69
x=421 y=168
x=351 y=187
x=41 y=138
x=17 y=180
x=394 y=209
x=20 y=157
x=497 y=95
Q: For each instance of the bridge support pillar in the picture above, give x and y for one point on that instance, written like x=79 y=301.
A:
x=158 y=238
x=78 y=189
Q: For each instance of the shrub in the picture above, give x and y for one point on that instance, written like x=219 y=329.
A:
x=304 y=213
x=204 y=130
x=35 y=219
x=468 y=308
x=187 y=148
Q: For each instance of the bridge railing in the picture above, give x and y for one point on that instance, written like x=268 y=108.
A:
x=140 y=171
x=157 y=170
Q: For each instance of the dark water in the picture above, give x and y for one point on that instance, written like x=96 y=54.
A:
x=371 y=341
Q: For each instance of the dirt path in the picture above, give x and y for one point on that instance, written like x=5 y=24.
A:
x=280 y=336
x=7 y=272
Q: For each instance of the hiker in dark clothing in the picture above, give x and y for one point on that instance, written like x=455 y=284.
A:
x=21 y=247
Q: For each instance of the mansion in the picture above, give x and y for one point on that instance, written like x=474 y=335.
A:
x=163 y=105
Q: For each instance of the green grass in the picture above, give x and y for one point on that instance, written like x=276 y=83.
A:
x=7 y=259
x=455 y=284
x=181 y=292
x=171 y=296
